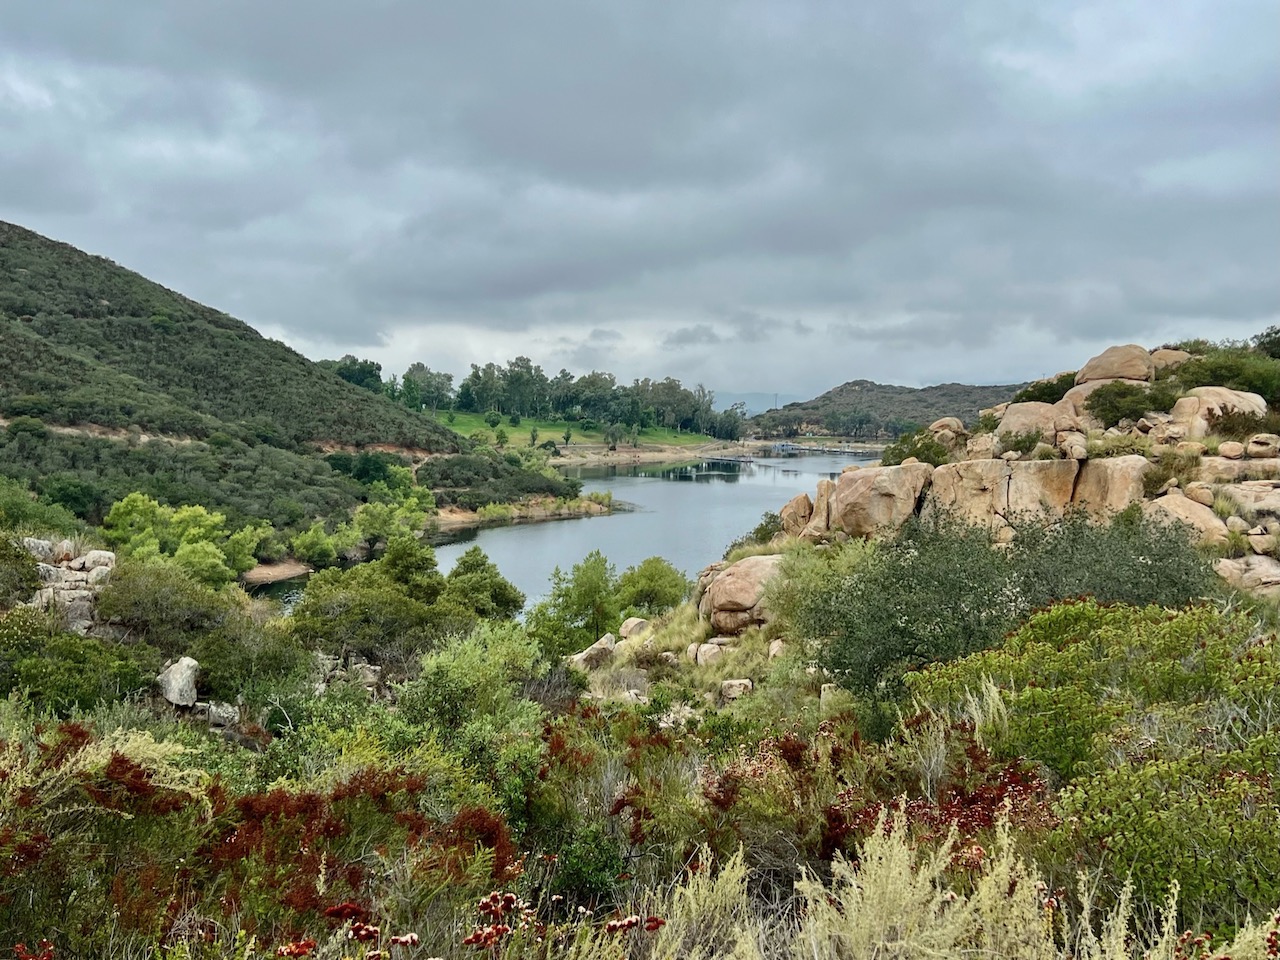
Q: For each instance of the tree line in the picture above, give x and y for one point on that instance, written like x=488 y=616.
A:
x=522 y=388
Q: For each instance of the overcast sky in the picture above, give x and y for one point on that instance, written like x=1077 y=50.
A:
x=774 y=196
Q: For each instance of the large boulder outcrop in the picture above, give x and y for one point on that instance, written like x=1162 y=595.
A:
x=1165 y=359
x=599 y=654
x=1208 y=527
x=1107 y=486
x=1125 y=362
x=819 y=524
x=1032 y=417
x=734 y=600
x=1194 y=410
x=878 y=499
x=796 y=514
x=990 y=493
x=1254 y=573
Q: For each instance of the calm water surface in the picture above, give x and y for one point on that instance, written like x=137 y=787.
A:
x=687 y=514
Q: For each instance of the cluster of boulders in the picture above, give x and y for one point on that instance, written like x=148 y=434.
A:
x=989 y=485
x=70 y=579
x=353 y=669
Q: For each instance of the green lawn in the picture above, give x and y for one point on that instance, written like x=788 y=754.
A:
x=468 y=423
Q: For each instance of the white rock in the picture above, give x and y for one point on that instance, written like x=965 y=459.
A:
x=733 y=689
x=178 y=682
x=632 y=626
x=99 y=558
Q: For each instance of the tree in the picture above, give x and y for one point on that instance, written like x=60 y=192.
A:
x=581 y=607
x=533 y=436
x=500 y=438
x=435 y=388
x=652 y=587
x=363 y=373
x=476 y=584
x=492 y=418
x=568 y=433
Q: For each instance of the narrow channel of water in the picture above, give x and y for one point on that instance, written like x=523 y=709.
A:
x=687 y=514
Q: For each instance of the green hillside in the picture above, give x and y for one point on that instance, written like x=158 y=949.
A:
x=865 y=409
x=84 y=340
x=111 y=383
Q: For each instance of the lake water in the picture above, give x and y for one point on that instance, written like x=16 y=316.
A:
x=686 y=514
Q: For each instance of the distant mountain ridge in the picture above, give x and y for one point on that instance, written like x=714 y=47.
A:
x=864 y=408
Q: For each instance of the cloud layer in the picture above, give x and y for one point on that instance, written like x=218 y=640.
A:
x=789 y=195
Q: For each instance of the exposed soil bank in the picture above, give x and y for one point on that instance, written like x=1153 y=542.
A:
x=265 y=573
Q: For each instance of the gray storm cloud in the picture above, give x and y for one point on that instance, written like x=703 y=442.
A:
x=795 y=194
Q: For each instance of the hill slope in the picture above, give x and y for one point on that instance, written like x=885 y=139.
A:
x=863 y=408
x=83 y=340
x=106 y=356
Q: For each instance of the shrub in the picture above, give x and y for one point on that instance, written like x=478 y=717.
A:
x=1113 y=402
x=770 y=526
x=1022 y=443
x=492 y=418
x=920 y=445
x=1237 y=425
x=1129 y=559
x=937 y=591
x=162 y=604
x=21 y=511
x=1050 y=390
x=940 y=590
x=61 y=672
x=18 y=577
x=1184 y=467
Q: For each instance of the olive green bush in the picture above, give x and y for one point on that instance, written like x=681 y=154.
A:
x=920 y=445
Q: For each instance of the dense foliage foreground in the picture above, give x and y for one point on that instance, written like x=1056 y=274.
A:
x=957 y=754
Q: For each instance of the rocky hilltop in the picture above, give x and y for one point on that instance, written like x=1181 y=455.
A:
x=1227 y=491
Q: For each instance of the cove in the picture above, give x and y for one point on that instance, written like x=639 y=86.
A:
x=686 y=513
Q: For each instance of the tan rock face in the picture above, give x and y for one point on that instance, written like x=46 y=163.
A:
x=741 y=585
x=1208 y=527
x=1231 y=449
x=1262 y=445
x=796 y=514
x=1222 y=470
x=954 y=424
x=975 y=490
x=991 y=492
x=734 y=600
x=1126 y=362
x=1041 y=486
x=1199 y=404
x=878 y=499
x=1107 y=486
x=985 y=446
x=820 y=521
x=1042 y=418
x=1257 y=574
x=1169 y=359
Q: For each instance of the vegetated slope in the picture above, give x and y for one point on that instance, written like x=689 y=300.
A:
x=83 y=340
x=865 y=408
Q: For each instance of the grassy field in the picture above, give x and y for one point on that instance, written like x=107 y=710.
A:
x=468 y=423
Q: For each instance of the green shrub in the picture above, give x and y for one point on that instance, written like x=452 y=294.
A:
x=62 y=672
x=770 y=526
x=940 y=590
x=1237 y=425
x=21 y=511
x=920 y=444
x=18 y=577
x=1113 y=402
x=1129 y=559
x=1050 y=390
x=1185 y=467
x=162 y=604
x=937 y=591
x=1022 y=443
